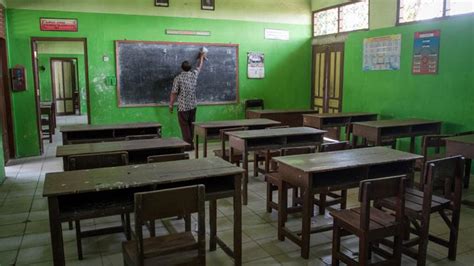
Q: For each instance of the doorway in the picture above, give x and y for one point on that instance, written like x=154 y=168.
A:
x=60 y=71
x=6 y=120
x=328 y=67
x=64 y=83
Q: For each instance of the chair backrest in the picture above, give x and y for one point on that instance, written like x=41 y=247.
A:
x=435 y=142
x=254 y=103
x=444 y=175
x=167 y=157
x=137 y=137
x=334 y=146
x=169 y=203
x=98 y=160
x=380 y=188
x=224 y=137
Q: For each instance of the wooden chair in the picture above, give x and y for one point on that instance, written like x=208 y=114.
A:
x=444 y=177
x=253 y=104
x=167 y=157
x=267 y=155
x=431 y=149
x=341 y=198
x=223 y=152
x=173 y=249
x=468 y=163
x=91 y=161
x=47 y=124
x=370 y=224
x=137 y=137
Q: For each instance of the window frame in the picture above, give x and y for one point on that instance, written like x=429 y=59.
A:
x=339 y=19
x=444 y=16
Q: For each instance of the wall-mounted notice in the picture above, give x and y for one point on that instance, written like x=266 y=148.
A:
x=188 y=32
x=426 y=52
x=58 y=24
x=271 y=34
x=255 y=65
x=382 y=53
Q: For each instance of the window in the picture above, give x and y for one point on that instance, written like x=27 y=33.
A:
x=343 y=18
x=416 y=10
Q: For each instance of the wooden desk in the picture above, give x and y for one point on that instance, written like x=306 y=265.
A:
x=377 y=131
x=290 y=117
x=138 y=150
x=324 y=121
x=99 y=133
x=270 y=139
x=211 y=130
x=315 y=173
x=108 y=191
x=462 y=145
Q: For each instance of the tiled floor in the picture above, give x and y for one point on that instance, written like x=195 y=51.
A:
x=24 y=231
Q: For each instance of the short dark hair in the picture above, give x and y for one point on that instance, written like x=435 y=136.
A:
x=186 y=66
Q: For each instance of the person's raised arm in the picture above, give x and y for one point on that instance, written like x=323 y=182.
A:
x=201 y=60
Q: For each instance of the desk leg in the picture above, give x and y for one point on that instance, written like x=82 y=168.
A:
x=348 y=132
x=412 y=144
x=204 y=148
x=354 y=141
x=245 y=165
x=56 y=232
x=237 y=220
x=282 y=207
x=212 y=224
x=196 y=146
x=306 y=226
x=467 y=173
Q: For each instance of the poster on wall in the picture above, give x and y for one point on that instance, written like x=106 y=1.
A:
x=382 y=53
x=255 y=65
x=58 y=24
x=426 y=52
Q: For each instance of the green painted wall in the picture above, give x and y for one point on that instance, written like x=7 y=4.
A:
x=447 y=96
x=286 y=85
x=45 y=77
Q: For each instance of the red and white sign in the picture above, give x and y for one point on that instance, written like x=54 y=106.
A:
x=58 y=24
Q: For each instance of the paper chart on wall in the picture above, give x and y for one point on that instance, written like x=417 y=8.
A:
x=255 y=65
x=382 y=53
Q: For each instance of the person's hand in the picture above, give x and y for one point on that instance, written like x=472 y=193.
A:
x=171 y=109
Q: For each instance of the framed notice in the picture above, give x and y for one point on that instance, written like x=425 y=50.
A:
x=282 y=35
x=382 y=53
x=58 y=24
x=426 y=52
x=255 y=65
x=208 y=5
x=162 y=3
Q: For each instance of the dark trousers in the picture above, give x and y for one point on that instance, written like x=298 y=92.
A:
x=186 y=119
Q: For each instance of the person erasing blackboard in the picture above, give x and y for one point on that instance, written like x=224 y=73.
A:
x=184 y=88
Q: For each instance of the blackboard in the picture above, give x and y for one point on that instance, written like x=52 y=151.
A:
x=145 y=72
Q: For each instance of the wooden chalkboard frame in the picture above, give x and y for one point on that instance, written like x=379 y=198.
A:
x=117 y=71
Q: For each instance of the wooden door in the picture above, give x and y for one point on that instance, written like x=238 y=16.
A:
x=64 y=83
x=328 y=68
x=6 y=121
x=34 y=47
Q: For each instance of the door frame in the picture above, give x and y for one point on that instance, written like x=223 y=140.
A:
x=8 y=100
x=33 y=41
x=76 y=78
x=326 y=74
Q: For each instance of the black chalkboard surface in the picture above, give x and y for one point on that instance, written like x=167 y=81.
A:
x=145 y=72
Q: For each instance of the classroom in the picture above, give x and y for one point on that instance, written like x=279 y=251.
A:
x=224 y=132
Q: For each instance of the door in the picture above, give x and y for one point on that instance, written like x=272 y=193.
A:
x=64 y=85
x=6 y=122
x=328 y=67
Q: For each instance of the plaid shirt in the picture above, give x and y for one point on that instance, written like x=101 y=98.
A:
x=185 y=86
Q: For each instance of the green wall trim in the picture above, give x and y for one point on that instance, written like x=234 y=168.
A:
x=286 y=85
x=447 y=96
